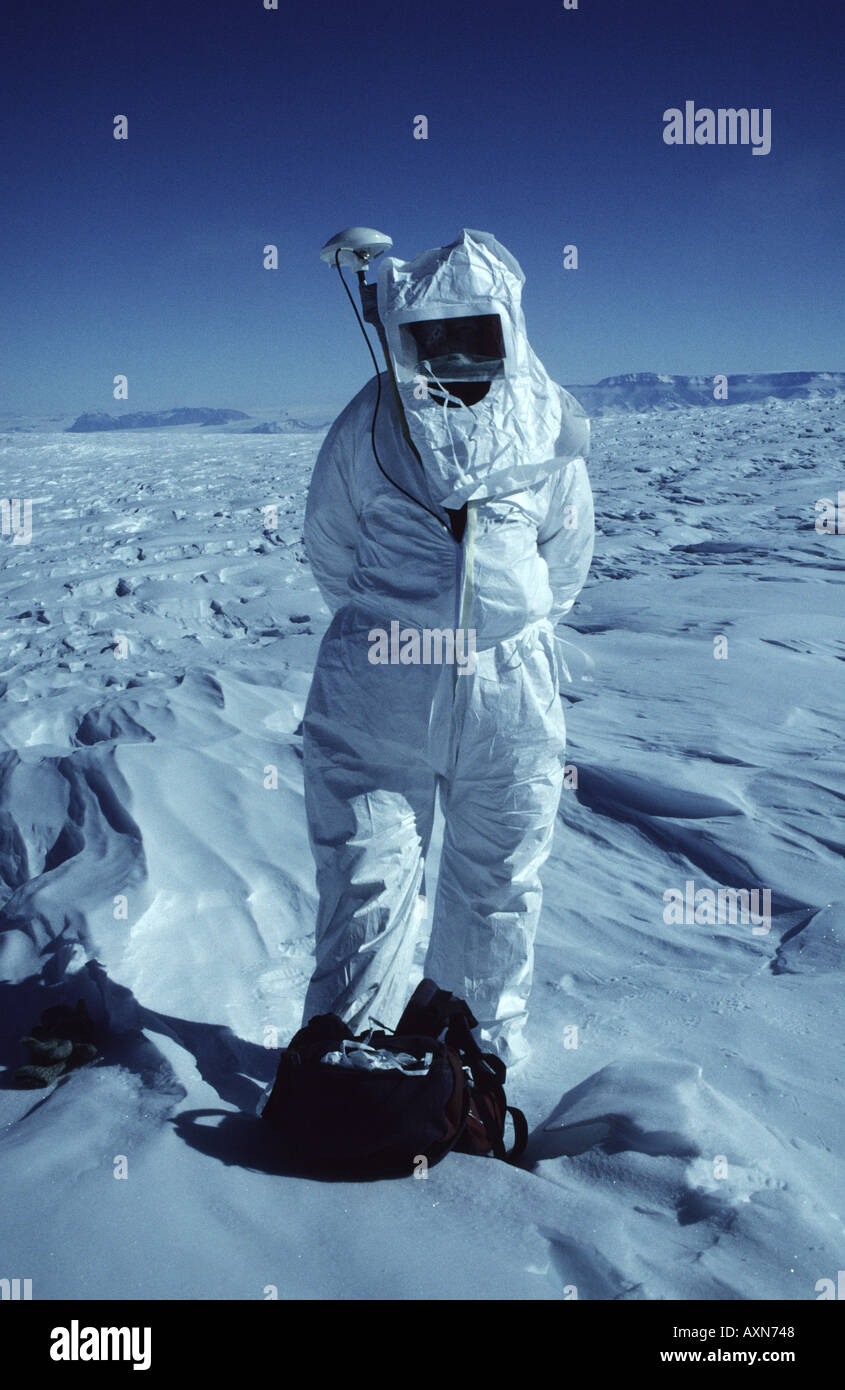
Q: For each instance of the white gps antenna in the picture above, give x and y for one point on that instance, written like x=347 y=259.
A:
x=355 y=247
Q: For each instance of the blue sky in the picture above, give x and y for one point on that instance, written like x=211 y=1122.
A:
x=249 y=127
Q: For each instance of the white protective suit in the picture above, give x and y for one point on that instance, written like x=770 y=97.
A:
x=380 y=738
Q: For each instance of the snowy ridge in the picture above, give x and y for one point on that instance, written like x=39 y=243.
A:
x=189 y=415
x=642 y=391
x=684 y=1092
x=287 y=426
x=154 y=419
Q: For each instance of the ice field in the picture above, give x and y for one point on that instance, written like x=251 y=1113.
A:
x=686 y=1088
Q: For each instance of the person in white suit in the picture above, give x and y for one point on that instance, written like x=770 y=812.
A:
x=461 y=506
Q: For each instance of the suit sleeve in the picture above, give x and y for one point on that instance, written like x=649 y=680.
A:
x=567 y=536
x=331 y=514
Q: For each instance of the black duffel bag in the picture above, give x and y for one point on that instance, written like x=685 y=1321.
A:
x=390 y=1103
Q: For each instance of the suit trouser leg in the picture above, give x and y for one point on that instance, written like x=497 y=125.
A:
x=370 y=797
x=500 y=805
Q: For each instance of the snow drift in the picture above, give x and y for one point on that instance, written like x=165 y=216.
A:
x=685 y=1091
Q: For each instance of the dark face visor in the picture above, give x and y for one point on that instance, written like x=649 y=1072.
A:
x=469 y=348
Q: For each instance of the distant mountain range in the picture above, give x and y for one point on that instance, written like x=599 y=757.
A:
x=633 y=392
x=638 y=391
x=187 y=415
x=287 y=426
x=154 y=419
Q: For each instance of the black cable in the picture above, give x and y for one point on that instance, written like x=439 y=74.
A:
x=392 y=481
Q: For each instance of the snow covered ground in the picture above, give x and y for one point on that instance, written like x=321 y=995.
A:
x=686 y=1086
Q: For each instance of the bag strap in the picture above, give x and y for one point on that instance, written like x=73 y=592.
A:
x=520 y=1134
x=321 y=1028
x=481 y=1099
x=488 y=1074
x=486 y=1067
x=431 y=1009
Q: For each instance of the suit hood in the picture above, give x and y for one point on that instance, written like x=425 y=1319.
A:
x=526 y=426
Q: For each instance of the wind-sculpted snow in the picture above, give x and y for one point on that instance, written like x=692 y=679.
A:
x=158 y=634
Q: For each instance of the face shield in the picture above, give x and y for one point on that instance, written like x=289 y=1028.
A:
x=466 y=348
x=441 y=345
